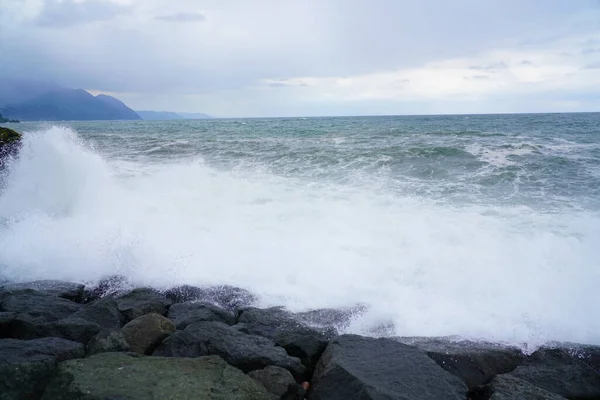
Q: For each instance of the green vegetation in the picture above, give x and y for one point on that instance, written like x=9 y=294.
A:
x=8 y=136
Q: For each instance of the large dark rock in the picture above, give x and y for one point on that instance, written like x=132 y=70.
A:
x=276 y=380
x=246 y=352
x=6 y=319
x=355 y=367
x=107 y=341
x=104 y=312
x=10 y=142
x=299 y=340
x=505 y=387
x=127 y=377
x=142 y=301
x=70 y=328
x=228 y=297
x=562 y=371
x=67 y=290
x=184 y=314
x=26 y=366
x=146 y=332
x=476 y=363
x=110 y=286
x=39 y=305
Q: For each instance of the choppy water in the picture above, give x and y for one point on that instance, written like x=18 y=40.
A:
x=478 y=226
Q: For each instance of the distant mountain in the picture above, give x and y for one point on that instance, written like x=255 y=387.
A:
x=169 y=115
x=158 y=115
x=46 y=102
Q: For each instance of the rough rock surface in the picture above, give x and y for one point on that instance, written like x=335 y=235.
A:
x=561 y=371
x=107 y=341
x=42 y=306
x=27 y=365
x=476 y=363
x=227 y=297
x=127 y=377
x=104 y=312
x=246 y=352
x=184 y=314
x=142 y=301
x=355 y=367
x=67 y=290
x=144 y=333
x=505 y=387
x=276 y=380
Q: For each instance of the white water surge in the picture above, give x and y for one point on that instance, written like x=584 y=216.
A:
x=505 y=274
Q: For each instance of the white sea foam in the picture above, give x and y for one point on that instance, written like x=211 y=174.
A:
x=505 y=274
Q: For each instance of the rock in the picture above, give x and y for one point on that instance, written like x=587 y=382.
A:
x=184 y=314
x=331 y=318
x=142 y=301
x=6 y=319
x=39 y=305
x=70 y=328
x=104 y=312
x=246 y=352
x=66 y=290
x=127 y=377
x=228 y=297
x=476 y=363
x=109 y=286
x=107 y=341
x=275 y=379
x=10 y=141
x=355 y=367
x=285 y=330
x=144 y=333
x=26 y=366
x=504 y=387
x=561 y=371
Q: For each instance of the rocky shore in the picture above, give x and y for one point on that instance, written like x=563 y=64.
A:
x=61 y=340
x=10 y=142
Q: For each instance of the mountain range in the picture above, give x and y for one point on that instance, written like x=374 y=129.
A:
x=41 y=101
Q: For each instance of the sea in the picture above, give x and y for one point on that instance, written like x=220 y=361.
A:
x=484 y=227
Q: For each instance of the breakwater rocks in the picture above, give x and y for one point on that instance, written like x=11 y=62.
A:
x=61 y=340
x=9 y=143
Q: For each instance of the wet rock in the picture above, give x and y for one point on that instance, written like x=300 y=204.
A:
x=275 y=379
x=127 y=377
x=228 y=297
x=355 y=367
x=6 y=319
x=26 y=366
x=107 y=341
x=331 y=318
x=504 y=387
x=70 y=328
x=144 y=333
x=142 y=301
x=104 y=312
x=110 y=286
x=67 y=290
x=476 y=363
x=561 y=371
x=246 y=352
x=39 y=305
x=306 y=343
x=10 y=142
x=184 y=314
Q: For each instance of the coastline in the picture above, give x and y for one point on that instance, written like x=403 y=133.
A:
x=62 y=340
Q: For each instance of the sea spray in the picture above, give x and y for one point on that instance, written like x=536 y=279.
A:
x=421 y=267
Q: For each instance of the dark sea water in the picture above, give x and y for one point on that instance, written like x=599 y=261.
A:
x=482 y=226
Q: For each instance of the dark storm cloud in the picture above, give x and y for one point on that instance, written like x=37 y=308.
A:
x=181 y=17
x=67 y=13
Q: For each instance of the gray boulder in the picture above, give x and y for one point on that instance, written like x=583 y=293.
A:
x=6 y=319
x=355 y=367
x=26 y=366
x=107 y=341
x=561 y=371
x=42 y=306
x=184 y=314
x=144 y=333
x=127 y=377
x=227 y=297
x=67 y=290
x=504 y=387
x=246 y=352
x=104 y=312
x=276 y=380
x=476 y=363
x=142 y=301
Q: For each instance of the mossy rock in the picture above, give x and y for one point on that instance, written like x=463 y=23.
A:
x=8 y=136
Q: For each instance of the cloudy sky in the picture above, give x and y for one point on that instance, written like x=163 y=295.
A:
x=313 y=57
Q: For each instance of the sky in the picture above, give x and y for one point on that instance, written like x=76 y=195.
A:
x=242 y=58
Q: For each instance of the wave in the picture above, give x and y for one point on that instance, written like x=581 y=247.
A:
x=511 y=274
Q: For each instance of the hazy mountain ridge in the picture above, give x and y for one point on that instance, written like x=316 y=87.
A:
x=169 y=115
x=32 y=101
